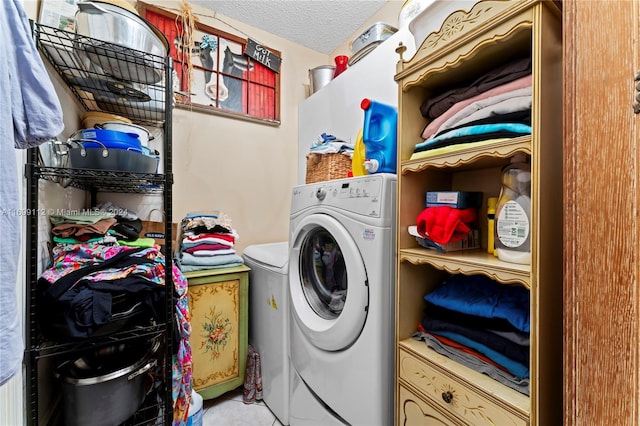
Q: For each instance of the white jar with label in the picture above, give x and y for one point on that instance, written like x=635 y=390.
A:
x=513 y=212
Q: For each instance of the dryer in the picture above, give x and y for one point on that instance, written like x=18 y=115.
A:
x=341 y=283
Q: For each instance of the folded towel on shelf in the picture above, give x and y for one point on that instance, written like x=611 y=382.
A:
x=101 y=227
x=474 y=134
x=437 y=105
x=195 y=249
x=209 y=253
x=444 y=224
x=508 y=90
x=451 y=148
x=86 y=217
x=188 y=262
x=500 y=105
x=195 y=240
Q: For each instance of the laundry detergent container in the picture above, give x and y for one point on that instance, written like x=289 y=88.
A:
x=269 y=321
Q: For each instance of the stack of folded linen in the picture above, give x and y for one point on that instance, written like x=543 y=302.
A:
x=82 y=226
x=207 y=242
x=482 y=324
x=105 y=224
x=496 y=106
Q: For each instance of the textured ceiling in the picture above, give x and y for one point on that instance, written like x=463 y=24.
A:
x=321 y=25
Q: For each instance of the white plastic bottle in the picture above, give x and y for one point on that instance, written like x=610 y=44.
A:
x=513 y=212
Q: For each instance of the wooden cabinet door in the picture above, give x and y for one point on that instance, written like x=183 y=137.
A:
x=218 y=307
x=601 y=196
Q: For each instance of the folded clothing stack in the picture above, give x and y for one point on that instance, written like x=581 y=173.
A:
x=207 y=242
x=105 y=223
x=496 y=106
x=482 y=324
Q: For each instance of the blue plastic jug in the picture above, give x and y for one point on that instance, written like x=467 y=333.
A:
x=380 y=136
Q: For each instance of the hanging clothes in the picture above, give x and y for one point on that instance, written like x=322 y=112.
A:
x=30 y=114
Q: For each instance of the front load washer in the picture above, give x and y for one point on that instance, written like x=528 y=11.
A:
x=341 y=284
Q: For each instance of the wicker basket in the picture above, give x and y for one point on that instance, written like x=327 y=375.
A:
x=321 y=167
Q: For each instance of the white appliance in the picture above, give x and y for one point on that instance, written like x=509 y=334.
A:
x=269 y=321
x=422 y=17
x=341 y=283
x=335 y=108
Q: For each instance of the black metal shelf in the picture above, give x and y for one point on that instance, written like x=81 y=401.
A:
x=102 y=180
x=107 y=77
x=48 y=348
x=93 y=71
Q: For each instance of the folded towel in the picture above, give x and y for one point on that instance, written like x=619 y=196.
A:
x=506 y=90
x=207 y=253
x=211 y=261
x=474 y=134
x=444 y=224
x=207 y=247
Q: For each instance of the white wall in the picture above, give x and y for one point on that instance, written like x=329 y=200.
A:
x=242 y=168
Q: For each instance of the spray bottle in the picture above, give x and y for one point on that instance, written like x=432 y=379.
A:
x=380 y=135
x=513 y=212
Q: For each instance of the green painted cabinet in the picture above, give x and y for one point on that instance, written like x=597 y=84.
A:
x=218 y=304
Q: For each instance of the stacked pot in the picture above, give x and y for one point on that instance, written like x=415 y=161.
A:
x=110 y=142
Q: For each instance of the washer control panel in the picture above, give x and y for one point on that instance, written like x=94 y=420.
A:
x=362 y=195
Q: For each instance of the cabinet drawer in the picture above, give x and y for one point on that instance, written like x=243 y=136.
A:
x=413 y=411
x=453 y=396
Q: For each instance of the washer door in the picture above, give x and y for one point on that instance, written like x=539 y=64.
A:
x=328 y=283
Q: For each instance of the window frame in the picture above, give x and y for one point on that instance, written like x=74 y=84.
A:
x=186 y=101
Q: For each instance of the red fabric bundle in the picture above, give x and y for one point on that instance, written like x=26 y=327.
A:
x=444 y=224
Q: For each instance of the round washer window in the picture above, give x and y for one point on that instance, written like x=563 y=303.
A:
x=322 y=258
x=324 y=274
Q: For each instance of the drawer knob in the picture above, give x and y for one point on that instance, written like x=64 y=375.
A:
x=447 y=397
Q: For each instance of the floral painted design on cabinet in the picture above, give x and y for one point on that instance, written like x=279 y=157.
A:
x=215 y=333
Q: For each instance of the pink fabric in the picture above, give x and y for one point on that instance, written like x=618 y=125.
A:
x=210 y=236
x=444 y=224
x=435 y=124
x=252 y=389
x=206 y=247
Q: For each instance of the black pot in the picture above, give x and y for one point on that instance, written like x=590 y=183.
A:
x=106 y=386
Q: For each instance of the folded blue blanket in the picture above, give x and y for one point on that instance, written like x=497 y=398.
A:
x=189 y=259
x=480 y=129
x=481 y=296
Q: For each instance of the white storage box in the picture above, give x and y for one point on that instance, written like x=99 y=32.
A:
x=376 y=33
